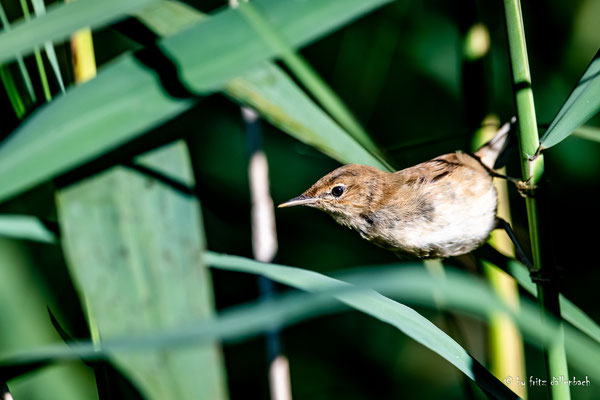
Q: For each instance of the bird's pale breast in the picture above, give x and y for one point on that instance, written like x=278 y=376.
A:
x=451 y=216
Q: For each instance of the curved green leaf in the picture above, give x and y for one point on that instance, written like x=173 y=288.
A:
x=270 y=91
x=25 y=227
x=40 y=9
x=311 y=80
x=253 y=319
x=582 y=104
x=19 y=57
x=60 y=20
x=568 y=310
x=588 y=132
x=458 y=291
x=126 y=98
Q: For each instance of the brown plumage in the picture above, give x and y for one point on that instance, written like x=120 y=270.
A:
x=440 y=208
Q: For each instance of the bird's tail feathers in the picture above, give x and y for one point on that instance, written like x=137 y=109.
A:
x=490 y=153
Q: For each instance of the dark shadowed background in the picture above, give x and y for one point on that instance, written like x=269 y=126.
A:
x=401 y=71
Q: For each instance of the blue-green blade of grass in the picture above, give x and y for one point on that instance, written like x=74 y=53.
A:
x=270 y=91
x=6 y=77
x=39 y=9
x=134 y=248
x=20 y=61
x=279 y=100
x=39 y=61
x=26 y=78
x=588 y=132
x=468 y=292
x=127 y=98
x=582 y=104
x=31 y=228
x=376 y=305
x=168 y=17
x=458 y=291
x=25 y=227
x=310 y=79
x=569 y=311
x=60 y=20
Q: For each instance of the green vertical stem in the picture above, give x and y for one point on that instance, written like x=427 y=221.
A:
x=505 y=343
x=504 y=340
x=38 y=56
x=12 y=91
x=532 y=170
x=42 y=71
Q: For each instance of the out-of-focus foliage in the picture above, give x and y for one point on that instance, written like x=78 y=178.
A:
x=399 y=71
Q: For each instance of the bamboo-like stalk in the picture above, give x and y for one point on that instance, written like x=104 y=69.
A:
x=82 y=54
x=505 y=343
x=507 y=360
x=532 y=171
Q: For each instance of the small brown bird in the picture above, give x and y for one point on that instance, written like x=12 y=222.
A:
x=440 y=208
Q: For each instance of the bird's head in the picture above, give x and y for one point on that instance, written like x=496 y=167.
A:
x=346 y=193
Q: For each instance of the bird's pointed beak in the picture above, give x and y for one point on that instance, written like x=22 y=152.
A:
x=301 y=200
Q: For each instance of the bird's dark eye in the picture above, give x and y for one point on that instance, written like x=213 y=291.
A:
x=337 y=191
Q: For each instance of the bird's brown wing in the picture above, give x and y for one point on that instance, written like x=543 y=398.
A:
x=432 y=170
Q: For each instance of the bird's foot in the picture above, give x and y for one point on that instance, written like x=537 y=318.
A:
x=525 y=188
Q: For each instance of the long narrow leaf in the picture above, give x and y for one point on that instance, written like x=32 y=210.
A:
x=588 y=132
x=457 y=291
x=126 y=98
x=568 y=310
x=40 y=9
x=582 y=104
x=20 y=61
x=310 y=79
x=6 y=77
x=37 y=55
x=269 y=90
x=60 y=21
x=372 y=303
x=167 y=17
x=27 y=227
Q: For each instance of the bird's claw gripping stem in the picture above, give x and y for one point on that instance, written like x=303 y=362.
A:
x=525 y=188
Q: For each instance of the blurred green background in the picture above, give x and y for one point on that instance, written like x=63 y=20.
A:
x=401 y=71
